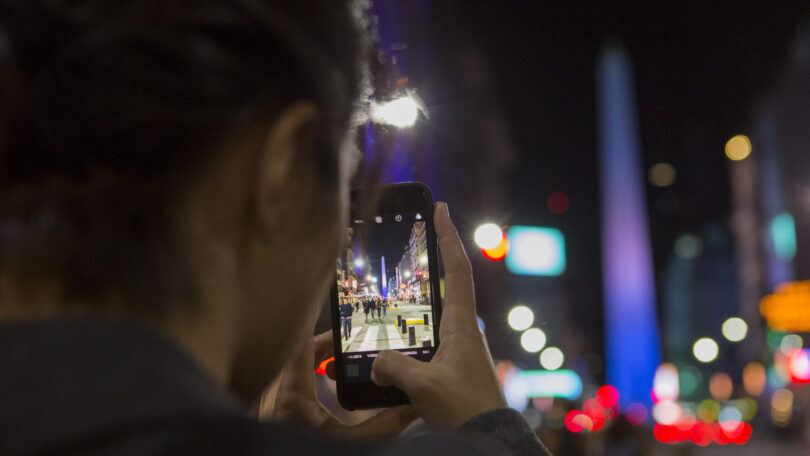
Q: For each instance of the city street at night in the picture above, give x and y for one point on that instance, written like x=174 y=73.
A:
x=383 y=333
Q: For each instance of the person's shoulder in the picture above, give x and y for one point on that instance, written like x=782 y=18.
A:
x=250 y=437
x=247 y=436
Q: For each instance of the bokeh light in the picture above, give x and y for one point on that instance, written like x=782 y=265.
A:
x=520 y=318
x=738 y=148
x=688 y=247
x=482 y=327
x=636 y=413
x=729 y=413
x=488 y=236
x=666 y=386
x=754 y=378
x=535 y=251
x=666 y=412
x=552 y=358
x=577 y=421
x=797 y=365
x=608 y=396
x=689 y=378
x=747 y=407
x=662 y=175
x=735 y=329
x=782 y=407
x=791 y=342
x=557 y=203
x=533 y=340
x=720 y=386
x=705 y=350
x=500 y=251
x=708 y=410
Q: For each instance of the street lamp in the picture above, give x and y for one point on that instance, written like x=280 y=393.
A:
x=359 y=263
x=406 y=274
x=400 y=112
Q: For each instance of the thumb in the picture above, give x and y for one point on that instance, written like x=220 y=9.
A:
x=392 y=368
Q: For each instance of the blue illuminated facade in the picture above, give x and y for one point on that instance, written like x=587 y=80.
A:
x=632 y=347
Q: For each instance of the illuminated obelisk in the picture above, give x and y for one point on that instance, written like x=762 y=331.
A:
x=632 y=347
x=383 y=279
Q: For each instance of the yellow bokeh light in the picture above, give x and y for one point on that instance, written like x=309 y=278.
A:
x=661 y=174
x=738 y=148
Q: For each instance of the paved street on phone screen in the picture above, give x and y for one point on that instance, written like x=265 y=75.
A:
x=383 y=333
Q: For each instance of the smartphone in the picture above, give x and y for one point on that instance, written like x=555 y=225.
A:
x=386 y=296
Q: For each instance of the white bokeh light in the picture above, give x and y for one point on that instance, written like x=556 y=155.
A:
x=533 y=340
x=791 y=342
x=520 y=318
x=666 y=412
x=552 y=358
x=735 y=329
x=488 y=236
x=705 y=350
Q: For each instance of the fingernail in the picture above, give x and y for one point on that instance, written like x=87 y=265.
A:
x=446 y=210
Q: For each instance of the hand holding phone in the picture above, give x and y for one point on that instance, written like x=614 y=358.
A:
x=293 y=397
x=460 y=382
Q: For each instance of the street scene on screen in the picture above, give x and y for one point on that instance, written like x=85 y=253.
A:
x=384 y=286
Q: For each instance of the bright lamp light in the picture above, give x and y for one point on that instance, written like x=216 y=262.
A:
x=533 y=340
x=520 y=318
x=488 y=236
x=400 y=112
x=735 y=329
x=552 y=358
x=705 y=350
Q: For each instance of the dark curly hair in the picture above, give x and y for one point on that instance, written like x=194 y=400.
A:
x=106 y=106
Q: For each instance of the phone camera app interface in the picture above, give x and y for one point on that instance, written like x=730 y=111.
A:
x=384 y=292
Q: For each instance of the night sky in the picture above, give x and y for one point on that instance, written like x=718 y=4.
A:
x=699 y=69
x=389 y=240
x=524 y=73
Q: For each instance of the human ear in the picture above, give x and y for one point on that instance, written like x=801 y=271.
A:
x=280 y=174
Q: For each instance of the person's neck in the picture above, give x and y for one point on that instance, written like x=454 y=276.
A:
x=207 y=338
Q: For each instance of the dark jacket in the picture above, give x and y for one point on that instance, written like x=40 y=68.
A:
x=346 y=310
x=91 y=385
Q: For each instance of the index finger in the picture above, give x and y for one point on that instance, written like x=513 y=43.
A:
x=324 y=347
x=459 y=303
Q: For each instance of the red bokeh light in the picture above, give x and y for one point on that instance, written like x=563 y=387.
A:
x=735 y=432
x=576 y=421
x=597 y=416
x=557 y=202
x=797 y=365
x=703 y=434
x=608 y=396
x=499 y=252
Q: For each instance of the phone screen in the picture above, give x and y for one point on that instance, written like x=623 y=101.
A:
x=385 y=291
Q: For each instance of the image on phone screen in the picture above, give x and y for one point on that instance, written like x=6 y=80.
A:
x=385 y=294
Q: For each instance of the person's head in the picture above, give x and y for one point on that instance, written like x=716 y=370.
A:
x=183 y=162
